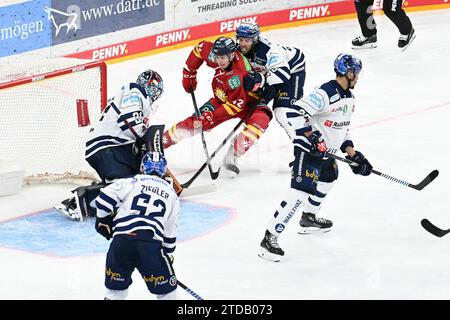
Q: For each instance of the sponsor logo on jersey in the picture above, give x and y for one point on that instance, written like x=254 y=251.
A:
x=234 y=82
x=155 y=280
x=328 y=123
x=335 y=98
x=316 y=100
x=314 y=174
x=336 y=125
x=273 y=60
x=131 y=99
x=114 y=275
x=279 y=227
x=173 y=37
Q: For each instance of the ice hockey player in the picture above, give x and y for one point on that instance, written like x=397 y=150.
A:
x=280 y=70
x=140 y=214
x=320 y=124
x=393 y=10
x=114 y=144
x=230 y=99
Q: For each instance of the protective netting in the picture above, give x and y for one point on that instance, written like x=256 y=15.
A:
x=39 y=124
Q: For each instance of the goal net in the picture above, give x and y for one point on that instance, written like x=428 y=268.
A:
x=47 y=107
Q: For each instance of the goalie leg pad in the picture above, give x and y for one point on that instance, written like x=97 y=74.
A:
x=84 y=196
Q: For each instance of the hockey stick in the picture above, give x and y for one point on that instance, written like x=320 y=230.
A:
x=431 y=228
x=224 y=142
x=430 y=177
x=214 y=175
x=192 y=293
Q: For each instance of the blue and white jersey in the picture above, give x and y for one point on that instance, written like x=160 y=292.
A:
x=144 y=202
x=276 y=61
x=329 y=109
x=126 y=115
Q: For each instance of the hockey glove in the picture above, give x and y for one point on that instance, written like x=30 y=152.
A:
x=364 y=167
x=189 y=80
x=104 y=226
x=318 y=146
x=253 y=81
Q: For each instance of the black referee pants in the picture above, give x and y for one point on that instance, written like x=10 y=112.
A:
x=392 y=9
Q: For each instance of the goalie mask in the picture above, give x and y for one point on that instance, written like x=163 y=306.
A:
x=153 y=84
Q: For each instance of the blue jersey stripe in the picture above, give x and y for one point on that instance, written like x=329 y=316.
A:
x=102 y=207
x=131 y=217
x=131 y=124
x=100 y=138
x=113 y=105
x=138 y=225
x=170 y=240
x=108 y=199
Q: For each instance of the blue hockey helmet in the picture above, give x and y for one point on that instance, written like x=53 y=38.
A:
x=154 y=163
x=345 y=63
x=223 y=46
x=248 y=30
x=152 y=82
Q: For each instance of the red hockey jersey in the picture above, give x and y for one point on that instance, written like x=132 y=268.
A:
x=227 y=84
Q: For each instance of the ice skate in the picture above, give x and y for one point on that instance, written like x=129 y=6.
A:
x=230 y=164
x=405 y=40
x=270 y=249
x=362 y=42
x=309 y=223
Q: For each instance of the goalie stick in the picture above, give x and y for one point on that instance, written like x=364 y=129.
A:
x=431 y=228
x=426 y=181
x=214 y=174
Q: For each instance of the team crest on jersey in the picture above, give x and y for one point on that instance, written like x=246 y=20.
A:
x=234 y=82
x=279 y=227
x=220 y=94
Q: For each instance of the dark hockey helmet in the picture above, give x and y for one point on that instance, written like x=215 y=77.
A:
x=152 y=82
x=345 y=62
x=154 y=163
x=224 y=46
x=248 y=30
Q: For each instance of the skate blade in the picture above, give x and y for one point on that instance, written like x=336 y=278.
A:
x=312 y=230
x=406 y=47
x=367 y=46
x=263 y=253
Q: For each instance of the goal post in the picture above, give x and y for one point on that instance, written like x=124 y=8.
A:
x=47 y=108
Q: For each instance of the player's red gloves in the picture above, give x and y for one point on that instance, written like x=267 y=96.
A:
x=189 y=80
